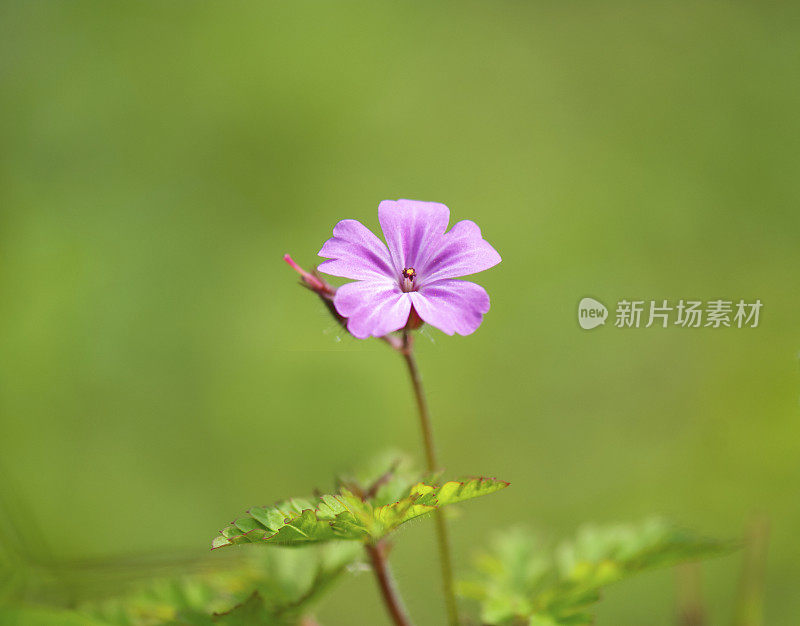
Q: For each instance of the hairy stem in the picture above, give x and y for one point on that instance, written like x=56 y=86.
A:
x=430 y=455
x=386 y=584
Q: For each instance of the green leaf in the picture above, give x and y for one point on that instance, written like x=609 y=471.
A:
x=286 y=584
x=291 y=583
x=297 y=522
x=345 y=516
x=524 y=580
x=423 y=499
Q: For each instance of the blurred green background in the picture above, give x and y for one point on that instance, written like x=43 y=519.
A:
x=160 y=369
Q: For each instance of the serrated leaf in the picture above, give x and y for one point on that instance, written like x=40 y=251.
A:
x=423 y=499
x=524 y=580
x=344 y=516
x=339 y=516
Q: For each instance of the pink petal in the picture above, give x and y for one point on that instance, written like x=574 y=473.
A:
x=412 y=230
x=453 y=306
x=355 y=252
x=372 y=308
x=461 y=251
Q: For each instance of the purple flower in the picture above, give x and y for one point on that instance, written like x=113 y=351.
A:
x=418 y=269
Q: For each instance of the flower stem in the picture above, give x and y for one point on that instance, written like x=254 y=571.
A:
x=430 y=454
x=386 y=584
x=422 y=405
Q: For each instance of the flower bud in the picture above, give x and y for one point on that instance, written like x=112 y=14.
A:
x=313 y=281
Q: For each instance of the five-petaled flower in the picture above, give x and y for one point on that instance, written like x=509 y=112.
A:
x=418 y=269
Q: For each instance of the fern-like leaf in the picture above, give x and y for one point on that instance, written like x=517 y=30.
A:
x=521 y=580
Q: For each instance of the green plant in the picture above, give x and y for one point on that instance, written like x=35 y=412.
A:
x=302 y=546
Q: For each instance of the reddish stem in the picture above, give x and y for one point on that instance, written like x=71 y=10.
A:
x=386 y=584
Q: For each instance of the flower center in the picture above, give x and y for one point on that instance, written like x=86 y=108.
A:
x=407 y=282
